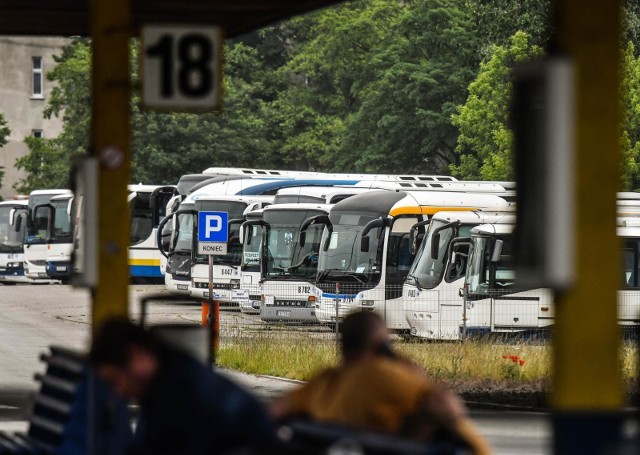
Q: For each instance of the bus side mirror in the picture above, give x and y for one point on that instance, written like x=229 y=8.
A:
x=497 y=251
x=241 y=234
x=435 y=245
x=17 y=225
x=302 y=238
x=364 y=244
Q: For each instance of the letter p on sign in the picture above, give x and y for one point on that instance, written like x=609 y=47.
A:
x=213 y=226
x=213 y=223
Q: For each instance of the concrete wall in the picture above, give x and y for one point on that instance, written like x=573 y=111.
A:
x=21 y=110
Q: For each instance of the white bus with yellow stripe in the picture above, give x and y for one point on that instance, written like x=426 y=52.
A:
x=147 y=206
x=431 y=292
x=365 y=251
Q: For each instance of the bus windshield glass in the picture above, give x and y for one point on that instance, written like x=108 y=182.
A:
x=341 y=257
x=285 y=257
x=235 y=209
x=183 y=238
x=62 y=232
x=141 y=218
x=631 y=265
x=484 y=276
x=252 y=248
x=427 y=272
x=10 y=240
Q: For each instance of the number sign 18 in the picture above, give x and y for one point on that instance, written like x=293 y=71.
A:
x=181 y=67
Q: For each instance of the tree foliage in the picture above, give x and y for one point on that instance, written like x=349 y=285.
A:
x=4 y=134
x=630 y=140
x=485 y=140
x=379 y=86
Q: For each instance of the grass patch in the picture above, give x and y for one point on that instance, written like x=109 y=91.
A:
x=299 y=357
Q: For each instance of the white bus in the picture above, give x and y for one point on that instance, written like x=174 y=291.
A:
x=365 y=250
x=289 y=263
x=59 y=235
x=35 y=246
x=12 y=241
x=431 y=300
x=496 y=304
x=147 y=206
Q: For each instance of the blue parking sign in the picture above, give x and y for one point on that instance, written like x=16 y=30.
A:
x=213 y=227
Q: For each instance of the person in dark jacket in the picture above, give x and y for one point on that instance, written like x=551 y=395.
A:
x=185 y=407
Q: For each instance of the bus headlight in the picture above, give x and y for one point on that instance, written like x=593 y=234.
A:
x=368 y=302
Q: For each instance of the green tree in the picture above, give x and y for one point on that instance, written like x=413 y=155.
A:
x=630 y=140
x=4 y=134
x=405 y=121
x=324 y=82
x=485 y=140
x=496 y=21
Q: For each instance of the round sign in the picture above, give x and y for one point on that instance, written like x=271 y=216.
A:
x=111 y=157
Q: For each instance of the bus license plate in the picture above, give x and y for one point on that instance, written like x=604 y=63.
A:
x=283 y=314
x=183 y=287
x=61 y=269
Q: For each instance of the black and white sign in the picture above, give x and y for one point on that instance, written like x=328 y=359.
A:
x=181 y=67
x=212 y=248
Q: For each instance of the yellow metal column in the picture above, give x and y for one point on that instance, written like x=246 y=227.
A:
x=587 y=389
x=110 y=28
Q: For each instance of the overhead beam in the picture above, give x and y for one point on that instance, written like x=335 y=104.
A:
x=71 y=17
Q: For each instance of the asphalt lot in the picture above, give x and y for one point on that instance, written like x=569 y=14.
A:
x=37 y=316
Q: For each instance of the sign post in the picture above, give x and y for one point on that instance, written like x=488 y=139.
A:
x=213 y=235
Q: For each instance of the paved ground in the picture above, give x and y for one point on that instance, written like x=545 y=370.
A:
x=34 y=317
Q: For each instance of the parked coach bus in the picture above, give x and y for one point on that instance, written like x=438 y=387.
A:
x=365 y=250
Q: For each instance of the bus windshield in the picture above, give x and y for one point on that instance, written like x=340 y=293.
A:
x=10 y=240
x=341 y=257
x=285 y=257
x=141 y=218
x=235 y=209
x=252 y=248
x=62 y=230
x=631 y=265
x=183 y=238
x=427 y=272
x=484 y=276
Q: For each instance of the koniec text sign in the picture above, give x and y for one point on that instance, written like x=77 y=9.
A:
x=213 y=232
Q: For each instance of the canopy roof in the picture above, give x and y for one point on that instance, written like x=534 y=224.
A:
x=71 y=17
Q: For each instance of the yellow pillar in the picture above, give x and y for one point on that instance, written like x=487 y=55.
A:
x=587 y=389
x=110 y=29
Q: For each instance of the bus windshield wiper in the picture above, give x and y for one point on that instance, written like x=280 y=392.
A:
x=360 y=276
x=290 y=276
x=326 y=273
x=350 y=273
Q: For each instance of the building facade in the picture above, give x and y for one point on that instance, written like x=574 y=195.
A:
x=24 y=90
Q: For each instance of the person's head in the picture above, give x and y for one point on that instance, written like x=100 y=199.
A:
x=363 y=334
x=126 y=356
